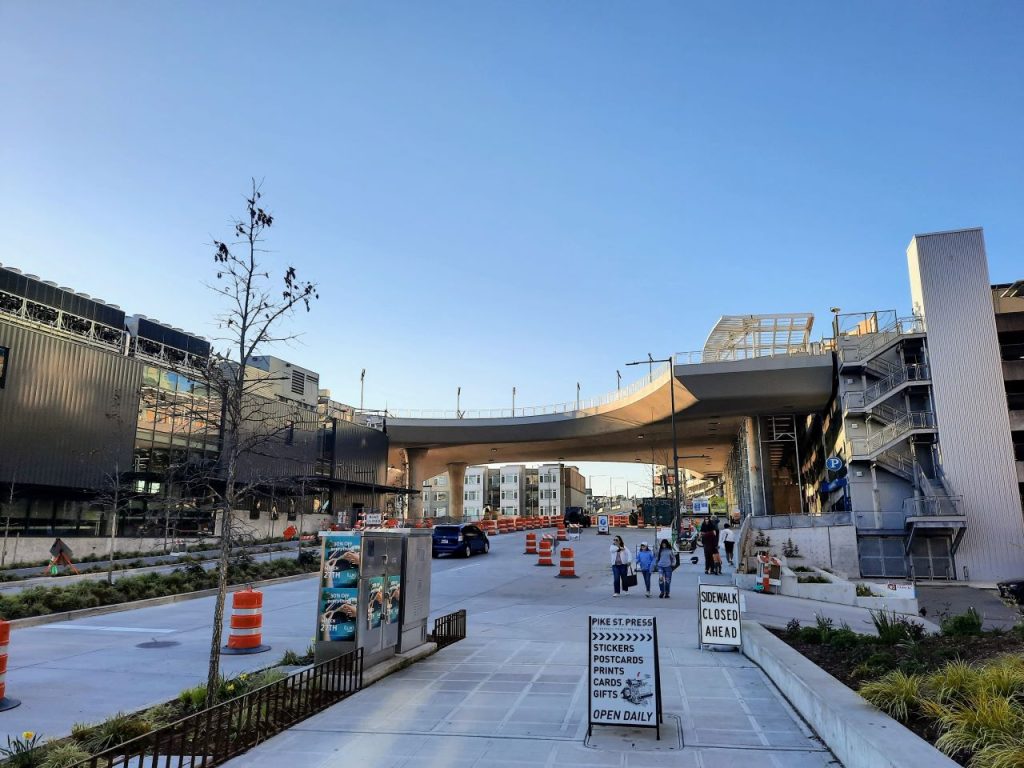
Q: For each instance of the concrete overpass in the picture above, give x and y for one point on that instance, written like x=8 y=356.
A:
x=713 y=397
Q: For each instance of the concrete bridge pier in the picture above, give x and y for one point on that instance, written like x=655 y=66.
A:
x=456 y=484
x=414 y=458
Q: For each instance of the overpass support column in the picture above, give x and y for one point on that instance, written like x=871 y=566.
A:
x=414 y=478
x=754 y=469
x=456 y=489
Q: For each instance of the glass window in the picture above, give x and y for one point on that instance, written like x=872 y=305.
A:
x=150 y=376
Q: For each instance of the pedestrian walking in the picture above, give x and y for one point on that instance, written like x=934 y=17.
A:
x=709 y=540
x=621 y=557
x=729 y=539
x=665 y=561
x=644 y=563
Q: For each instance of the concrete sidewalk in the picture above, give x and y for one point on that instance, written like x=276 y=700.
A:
x=514 y=693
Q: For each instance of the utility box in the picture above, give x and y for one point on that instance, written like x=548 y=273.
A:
x=374 y=593
x=415 y=597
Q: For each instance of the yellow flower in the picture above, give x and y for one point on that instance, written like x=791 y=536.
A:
x=28 y=735
x=231 y=686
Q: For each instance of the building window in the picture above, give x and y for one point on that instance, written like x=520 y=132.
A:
x=5 y=353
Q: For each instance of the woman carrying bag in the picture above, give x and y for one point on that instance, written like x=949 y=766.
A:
x=621 y=557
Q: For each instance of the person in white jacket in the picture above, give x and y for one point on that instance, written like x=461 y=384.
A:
x=621 y=557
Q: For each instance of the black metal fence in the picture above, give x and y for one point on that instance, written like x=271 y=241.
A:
x=449 y=629
x=215 y=735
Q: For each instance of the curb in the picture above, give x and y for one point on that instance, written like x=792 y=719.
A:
x=397 y=662
x=52 y=618
x=859 y=735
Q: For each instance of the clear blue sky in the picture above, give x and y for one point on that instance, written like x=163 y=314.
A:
x=499 y=194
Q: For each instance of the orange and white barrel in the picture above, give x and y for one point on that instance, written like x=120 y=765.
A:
x=5 y=640
x=246 y=633
x=544 y=552
x=531 y=544
x=567 y=564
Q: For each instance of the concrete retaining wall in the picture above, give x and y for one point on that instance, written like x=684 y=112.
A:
x=858 y=734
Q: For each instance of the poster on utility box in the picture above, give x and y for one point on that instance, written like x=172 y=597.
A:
x=623 y=671
x=339 y=586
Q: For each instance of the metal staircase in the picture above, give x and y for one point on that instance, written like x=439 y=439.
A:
x=874 y=344
x=895 y=377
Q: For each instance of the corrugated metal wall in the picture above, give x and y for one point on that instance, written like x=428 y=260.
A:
x=67 y=410
x=950 y=284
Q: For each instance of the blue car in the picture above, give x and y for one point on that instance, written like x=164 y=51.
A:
x=464 y=539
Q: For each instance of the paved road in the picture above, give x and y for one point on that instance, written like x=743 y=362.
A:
x=513 y=691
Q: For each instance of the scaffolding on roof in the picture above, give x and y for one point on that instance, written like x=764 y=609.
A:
x=741 y=337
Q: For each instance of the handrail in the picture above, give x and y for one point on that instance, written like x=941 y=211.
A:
x=647 y=380
x=931 y=506
x=902 y=326
x=905 y=423
x=699 y=356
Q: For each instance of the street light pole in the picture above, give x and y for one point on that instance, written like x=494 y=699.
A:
x=362 y=377
x=513 y=402
x=618 y=385
x=675 y=443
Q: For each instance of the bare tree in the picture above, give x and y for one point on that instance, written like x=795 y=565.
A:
x=255 y=306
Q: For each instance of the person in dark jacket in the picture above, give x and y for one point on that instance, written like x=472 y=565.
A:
x=709 y=540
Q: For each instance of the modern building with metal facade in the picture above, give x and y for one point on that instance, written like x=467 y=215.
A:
x=91 y=400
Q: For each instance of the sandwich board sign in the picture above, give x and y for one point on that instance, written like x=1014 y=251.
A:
x=718 y=615
x=602 y=524
x=624 y=686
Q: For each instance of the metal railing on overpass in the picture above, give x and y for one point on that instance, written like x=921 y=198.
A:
x=731 y=355
x=656 y=372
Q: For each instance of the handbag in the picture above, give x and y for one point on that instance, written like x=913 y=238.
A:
x=629 y=580
x=675 y=561
x=717 y=558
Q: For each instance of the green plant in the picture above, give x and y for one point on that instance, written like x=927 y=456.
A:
x=813 y=580
x=801 y=569
x=292 y=659
x=111 y=732
x=22 y=752
x=893 y=628
x=985 y=722
x=953 y=683
x=792 y=628
x=967 y=624
x=64 y=755
x=789 y=549
x=863 y=590
x=896 y=693
x=844 y=638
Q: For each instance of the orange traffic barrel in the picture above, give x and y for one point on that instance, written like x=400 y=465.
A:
x=5 y=640
x=246 y=633
x=567 y=564
x=544 y=552
x=531 y=544
x=561 y=533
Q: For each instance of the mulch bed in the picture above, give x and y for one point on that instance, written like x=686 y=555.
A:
x=869 y=660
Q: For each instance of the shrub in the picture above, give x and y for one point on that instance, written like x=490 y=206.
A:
x=844 y=638
x=813 y=580
x=893 y=628
x=863 y=590
x=801 y=569
x=292 y=659
x=985 y=722
x=111 y=732
x=896 y=693
x=953 y=684
x=793 y=629
x=64 y=755
x=967 y=624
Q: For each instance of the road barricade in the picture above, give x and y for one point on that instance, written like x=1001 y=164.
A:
x=5 y=640
x=544 y=551
x=531 y=544
x=567 y=564
x=246 y=633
